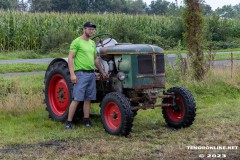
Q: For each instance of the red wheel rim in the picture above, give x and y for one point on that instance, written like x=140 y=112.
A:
x=177 y=112
x=58 y=94
x=112 y=115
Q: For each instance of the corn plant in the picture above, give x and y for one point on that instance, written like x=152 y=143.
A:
x=26 y=31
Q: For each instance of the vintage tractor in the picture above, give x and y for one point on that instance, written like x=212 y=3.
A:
x=136 y=81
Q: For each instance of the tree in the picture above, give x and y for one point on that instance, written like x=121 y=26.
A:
x=206 y=9
x=119 y=6
x=60 y=5
x=193 y=23
x=237 y=10
x=95 y=5
x=137 y=7
x=159 y=7
x=9 y=4
x=174 y=10
x=79 y=6
x=22 y=5
x=226 y=11
x=40 y=6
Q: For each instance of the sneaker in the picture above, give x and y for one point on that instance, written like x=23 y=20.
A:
x=68 y=126
x=87 y=123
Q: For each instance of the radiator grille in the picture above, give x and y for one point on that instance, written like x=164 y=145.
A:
x=145 y=64
x=160 y=63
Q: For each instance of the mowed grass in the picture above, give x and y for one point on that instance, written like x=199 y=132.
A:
x=227 y=56
x=22 y=67
x=28 y=133
x=229 y=50
x=28 y=55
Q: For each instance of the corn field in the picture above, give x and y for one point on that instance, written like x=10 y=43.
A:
x=26 y=31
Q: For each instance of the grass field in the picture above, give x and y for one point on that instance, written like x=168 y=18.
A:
x=28 y=55
x=22 y=67
x=227 y=56
x=28 y=133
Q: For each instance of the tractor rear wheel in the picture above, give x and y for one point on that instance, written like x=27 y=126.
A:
x=58 y=92
x=183 y=113
x=116 y=114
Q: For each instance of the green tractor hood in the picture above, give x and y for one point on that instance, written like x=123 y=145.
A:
x=131 y=49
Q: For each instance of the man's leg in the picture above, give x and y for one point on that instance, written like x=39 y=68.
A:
x=90 y=94
x=72 y=110
x=86 y=108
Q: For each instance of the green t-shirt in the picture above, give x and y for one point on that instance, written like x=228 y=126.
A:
x=85 y=52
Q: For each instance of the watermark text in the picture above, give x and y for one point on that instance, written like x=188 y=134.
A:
x=212 y=147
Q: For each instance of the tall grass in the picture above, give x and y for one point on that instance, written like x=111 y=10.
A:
x=219 y=84
x=19 y=95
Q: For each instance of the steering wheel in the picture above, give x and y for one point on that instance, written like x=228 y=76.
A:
x=100 y=38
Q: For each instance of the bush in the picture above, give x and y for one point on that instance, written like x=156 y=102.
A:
x=223 y=44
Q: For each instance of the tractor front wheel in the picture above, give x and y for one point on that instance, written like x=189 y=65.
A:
x=116 y=114
x=183 y=113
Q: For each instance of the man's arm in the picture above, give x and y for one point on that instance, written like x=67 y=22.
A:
x=99 y=67
x=71 y=68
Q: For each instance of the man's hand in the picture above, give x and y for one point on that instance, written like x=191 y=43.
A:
x=100 y=68
x=105 y=75
x=73 y=78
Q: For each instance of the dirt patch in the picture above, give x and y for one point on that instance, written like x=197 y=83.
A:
x=18 y=148
x=77 y=149
x=34 y=151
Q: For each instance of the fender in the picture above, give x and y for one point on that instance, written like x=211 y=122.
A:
x=64 y=60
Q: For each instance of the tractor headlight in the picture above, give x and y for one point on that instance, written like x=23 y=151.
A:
x=121 y=76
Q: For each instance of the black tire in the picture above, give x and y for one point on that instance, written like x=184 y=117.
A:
x=134 y=112
x=184 y=112
x=133 y=104
x=120 y=122
x=57 y=80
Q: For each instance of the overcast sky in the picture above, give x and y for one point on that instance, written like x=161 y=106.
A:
x=213 y=3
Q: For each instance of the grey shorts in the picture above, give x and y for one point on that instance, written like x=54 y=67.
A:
x=85 y=88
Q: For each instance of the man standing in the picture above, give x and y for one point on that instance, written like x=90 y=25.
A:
x=81 y=60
